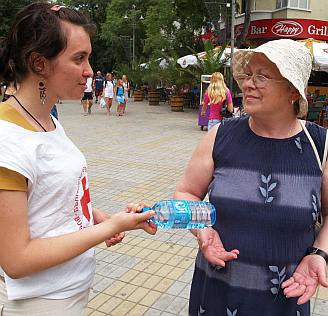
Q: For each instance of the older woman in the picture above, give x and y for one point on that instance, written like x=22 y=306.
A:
x=265 y=179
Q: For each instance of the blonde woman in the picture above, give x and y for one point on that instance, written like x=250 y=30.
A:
x=108 y=91
x=215 y=96
x=120 y=97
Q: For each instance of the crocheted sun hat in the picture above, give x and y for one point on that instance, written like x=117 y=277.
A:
x=292 y=58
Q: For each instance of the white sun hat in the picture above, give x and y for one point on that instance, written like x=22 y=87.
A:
x=293 y=60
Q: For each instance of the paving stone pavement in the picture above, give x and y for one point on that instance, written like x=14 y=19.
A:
x=133 y=158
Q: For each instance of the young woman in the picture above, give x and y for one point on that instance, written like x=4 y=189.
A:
x=48 y=227
x=87 y=99
x=119 y=93
x=216 y=95
x=126 y=86
x=108 y=91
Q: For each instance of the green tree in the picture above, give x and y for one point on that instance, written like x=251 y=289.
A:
x=8 y=9
x=96 y=11
x=117 y=26
x=173 y=25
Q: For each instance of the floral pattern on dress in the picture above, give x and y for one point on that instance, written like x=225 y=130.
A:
x=268 y=187
x=231 y=313
x=276 y=281
x=315 y=213
x=298 y=144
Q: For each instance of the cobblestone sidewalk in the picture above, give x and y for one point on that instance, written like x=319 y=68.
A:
x=133 y=158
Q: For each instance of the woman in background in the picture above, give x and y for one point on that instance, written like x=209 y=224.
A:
x=9 y=89
x=216 y=95
x=108 y=91
x=119 y=93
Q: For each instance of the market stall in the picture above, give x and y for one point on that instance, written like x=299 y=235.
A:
x=319 y=51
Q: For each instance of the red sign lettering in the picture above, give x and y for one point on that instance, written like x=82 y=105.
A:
x=286 y=28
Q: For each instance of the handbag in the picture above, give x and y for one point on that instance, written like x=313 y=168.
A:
x=224 y=110
x=102 y=103
x=321 y=164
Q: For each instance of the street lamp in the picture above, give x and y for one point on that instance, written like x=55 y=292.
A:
x=232 y=44
x=217 y=11
x=134 y=13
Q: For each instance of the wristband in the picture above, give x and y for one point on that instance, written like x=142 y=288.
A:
x=317 y=251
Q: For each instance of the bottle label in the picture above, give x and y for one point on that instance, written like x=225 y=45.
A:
x=182 y=214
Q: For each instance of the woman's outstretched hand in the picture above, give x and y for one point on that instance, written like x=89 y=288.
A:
x=143 y=219
x=212 y=248
x=309 y=274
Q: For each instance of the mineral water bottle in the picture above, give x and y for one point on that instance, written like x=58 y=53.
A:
x=183 y=214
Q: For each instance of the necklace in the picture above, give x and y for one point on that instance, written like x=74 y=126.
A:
x=31 y=114
x=288 y=134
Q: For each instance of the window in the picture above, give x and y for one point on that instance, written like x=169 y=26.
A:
x=303 y=4
x=281 y=4
x=298 y=4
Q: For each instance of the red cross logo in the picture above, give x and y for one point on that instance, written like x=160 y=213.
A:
x=85 y=199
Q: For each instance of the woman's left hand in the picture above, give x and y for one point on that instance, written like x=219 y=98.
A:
x=309 y=274
x=100 y=216
x=212 y=247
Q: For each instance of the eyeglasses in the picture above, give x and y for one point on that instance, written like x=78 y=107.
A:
x=260 y=81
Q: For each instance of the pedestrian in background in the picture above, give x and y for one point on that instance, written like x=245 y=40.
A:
x=119 y=93
x=267 y=183
x=87 y=98
x=47 y=223
x=54 y=111
x=108 y=91
x=98 y=85
x=216 y=96
x=126 y=86
x=9 y=89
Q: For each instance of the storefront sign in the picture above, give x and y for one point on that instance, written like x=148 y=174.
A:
x=286 y=28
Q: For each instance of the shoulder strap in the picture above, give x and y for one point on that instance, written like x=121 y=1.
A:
x=324 y=159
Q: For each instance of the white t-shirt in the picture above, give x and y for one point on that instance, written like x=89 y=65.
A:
x=58 y=203
x=88 y=85
x=108 y=89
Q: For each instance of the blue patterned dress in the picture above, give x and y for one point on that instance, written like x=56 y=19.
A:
x=267 y=196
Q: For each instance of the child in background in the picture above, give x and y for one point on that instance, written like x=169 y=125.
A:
x=120 y=97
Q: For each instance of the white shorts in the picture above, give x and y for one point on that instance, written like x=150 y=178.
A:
x=72 y=306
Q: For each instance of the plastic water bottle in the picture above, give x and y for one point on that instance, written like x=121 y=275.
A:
x=183 y=214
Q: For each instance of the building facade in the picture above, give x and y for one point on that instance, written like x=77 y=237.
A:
x=274 y=19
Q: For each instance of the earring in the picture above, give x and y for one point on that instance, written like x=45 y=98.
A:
x=42 y=90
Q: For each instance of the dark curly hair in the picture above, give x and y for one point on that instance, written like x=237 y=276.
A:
x=36 y=31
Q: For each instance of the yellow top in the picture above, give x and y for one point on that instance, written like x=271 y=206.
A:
x=9 y=179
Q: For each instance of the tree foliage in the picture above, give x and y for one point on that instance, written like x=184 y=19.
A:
x=169 y=28
x=95 y=10
x=8 y=9
x=173 y=25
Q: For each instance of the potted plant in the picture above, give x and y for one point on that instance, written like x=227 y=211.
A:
x=136 y=74
x=174 y=76
x=153 y=76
